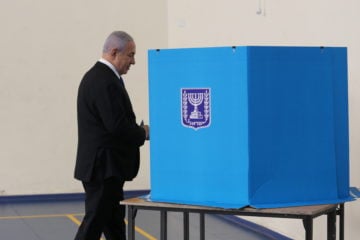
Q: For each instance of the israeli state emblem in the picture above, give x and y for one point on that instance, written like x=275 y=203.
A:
x=195 y=107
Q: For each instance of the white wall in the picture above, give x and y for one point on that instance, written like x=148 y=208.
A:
x=46 y=47
x=282 y=22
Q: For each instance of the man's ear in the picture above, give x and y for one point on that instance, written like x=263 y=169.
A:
x=113 y=52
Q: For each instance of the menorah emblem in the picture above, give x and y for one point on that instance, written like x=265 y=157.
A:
x=195 y=104
x=196 y=99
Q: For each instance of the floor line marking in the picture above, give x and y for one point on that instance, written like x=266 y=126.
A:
x=72 y=217
x=39 y=216
x=143 y=232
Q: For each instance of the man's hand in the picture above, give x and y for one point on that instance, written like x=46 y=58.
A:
x=147 y=131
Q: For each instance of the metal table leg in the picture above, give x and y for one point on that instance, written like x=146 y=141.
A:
x=186 y=225
x=202 y=226
x=331 y=225
x=341 y=213
x=163 y=225
x=131 y=222
x=308 y=225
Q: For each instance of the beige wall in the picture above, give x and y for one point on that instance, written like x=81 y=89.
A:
x=46 y=46
x=282 y=22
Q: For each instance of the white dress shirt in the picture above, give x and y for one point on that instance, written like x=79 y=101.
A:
x=107 y=63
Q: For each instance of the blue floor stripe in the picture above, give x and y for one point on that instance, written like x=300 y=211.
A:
x=239 y=222
x=236 y=221
x=60 y=197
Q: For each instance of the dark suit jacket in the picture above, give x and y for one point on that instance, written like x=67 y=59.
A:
x=108 y=135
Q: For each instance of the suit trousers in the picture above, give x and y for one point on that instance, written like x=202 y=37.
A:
x=103 y=212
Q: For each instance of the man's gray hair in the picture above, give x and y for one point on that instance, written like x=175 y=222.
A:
x=118 y=40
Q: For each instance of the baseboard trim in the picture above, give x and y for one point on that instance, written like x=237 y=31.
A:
x=60 y=197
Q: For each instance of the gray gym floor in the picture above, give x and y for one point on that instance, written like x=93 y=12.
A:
x=59 y=220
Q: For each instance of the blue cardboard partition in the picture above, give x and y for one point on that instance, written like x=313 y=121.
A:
x=259 y=126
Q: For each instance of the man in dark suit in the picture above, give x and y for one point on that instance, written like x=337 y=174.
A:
x=108 y=140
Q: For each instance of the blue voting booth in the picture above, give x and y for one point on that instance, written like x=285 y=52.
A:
x=259 y=126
